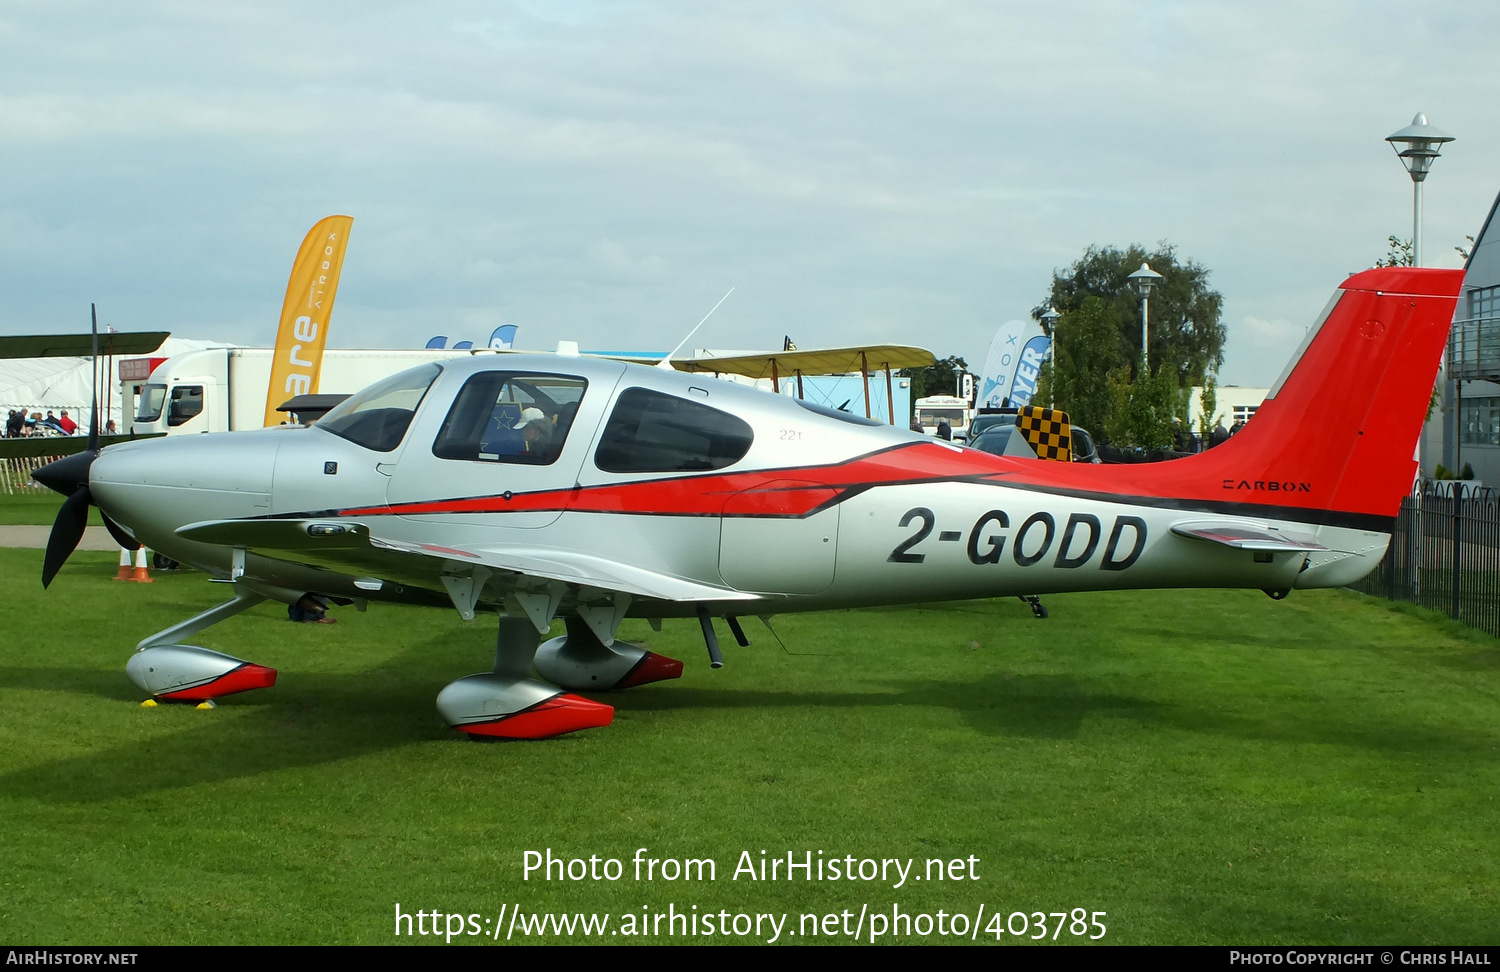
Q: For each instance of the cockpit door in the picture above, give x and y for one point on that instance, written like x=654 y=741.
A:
x=499 y=447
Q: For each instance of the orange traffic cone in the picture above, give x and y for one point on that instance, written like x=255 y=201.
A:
x=124 y=572
x=139 y=575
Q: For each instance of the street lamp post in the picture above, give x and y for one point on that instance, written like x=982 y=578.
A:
x=1049 y=325
x=1143 y=280
x=1416 y=146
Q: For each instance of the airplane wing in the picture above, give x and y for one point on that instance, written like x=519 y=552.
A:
x=351 y=548
x=1241 y=537
x=80 y=345
x=822 y=361
x=52 y=446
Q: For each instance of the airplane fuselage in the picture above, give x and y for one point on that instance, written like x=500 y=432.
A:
x=820 y=511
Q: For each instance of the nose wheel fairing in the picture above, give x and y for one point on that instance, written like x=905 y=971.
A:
x=187 y=673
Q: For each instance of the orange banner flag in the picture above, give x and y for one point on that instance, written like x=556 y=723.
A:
x=305 y=313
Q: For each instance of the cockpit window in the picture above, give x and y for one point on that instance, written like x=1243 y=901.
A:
x=377 y=417
x=652 y=432
x=502 y=416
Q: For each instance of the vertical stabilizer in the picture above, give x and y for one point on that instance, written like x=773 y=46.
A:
x=1333 y=442
x=1339 y=429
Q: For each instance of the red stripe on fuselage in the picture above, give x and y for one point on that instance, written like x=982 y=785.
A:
x=764 y=492
x=1206 y=482
x=800 y=491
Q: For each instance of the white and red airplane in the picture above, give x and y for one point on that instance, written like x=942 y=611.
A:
x=544 y=487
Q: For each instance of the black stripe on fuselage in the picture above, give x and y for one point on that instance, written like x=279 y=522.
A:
x=1371 y=522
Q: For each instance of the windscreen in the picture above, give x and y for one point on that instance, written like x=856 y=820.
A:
x=377 y=417
x=153 y=397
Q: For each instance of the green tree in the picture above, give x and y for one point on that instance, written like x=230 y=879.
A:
x=1399 y=253
x=1210 y=400
x=1098 y=347
x=1154 y=408
x=1088 y=350
x=1184 y=310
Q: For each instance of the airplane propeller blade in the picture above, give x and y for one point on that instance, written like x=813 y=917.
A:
x=66 y=532
x=94 y=404
x=70 y=476
x=121 y=537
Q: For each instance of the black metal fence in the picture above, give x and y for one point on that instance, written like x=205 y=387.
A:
x=1445 y=554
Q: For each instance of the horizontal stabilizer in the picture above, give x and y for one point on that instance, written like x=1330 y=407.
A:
x=1242 y=537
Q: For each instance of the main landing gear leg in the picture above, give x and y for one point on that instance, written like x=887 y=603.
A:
x=187 y=673
x=506 y=703
x=1035 y=604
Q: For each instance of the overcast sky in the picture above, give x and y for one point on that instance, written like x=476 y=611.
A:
x=604 y=172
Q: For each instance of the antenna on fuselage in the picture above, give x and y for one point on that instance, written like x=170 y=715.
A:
x=667 y=361
x=765 y=619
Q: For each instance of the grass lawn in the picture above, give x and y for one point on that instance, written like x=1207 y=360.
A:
x=1202 y=767
x=36 y=505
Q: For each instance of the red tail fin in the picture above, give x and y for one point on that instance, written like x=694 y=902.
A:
x=1339 y=429
x=1335 y=437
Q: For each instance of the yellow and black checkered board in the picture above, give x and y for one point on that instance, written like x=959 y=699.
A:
x=1048 y=431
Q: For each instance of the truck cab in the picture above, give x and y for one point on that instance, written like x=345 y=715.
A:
x=185 y=394
x=944 y=408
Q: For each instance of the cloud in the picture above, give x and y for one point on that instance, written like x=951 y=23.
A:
x=913 y=171
x=1269 y=334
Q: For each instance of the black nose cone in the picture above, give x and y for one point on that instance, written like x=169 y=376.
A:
x=66 y=474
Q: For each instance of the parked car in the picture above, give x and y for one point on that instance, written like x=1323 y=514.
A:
x=1007 y=440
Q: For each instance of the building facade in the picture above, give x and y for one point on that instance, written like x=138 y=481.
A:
x=1470 y=430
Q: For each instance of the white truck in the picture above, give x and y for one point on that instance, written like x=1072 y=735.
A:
x=224 y=389
x=945 y=408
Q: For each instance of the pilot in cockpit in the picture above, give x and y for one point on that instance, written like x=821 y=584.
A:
x=535 y=429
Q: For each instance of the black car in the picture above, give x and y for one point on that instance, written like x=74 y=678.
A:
x=1007 y=440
